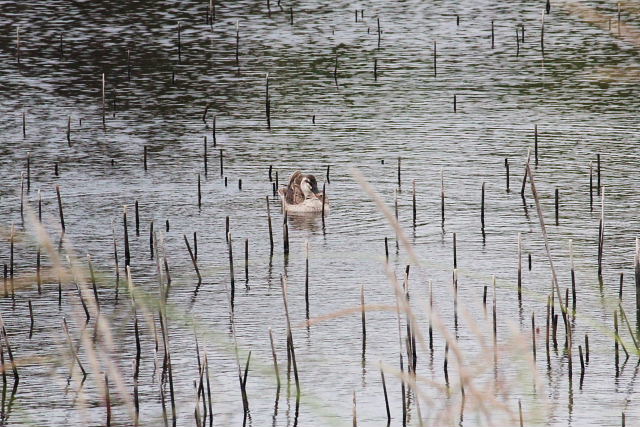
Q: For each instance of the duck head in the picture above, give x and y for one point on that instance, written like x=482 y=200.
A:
x=309 y=187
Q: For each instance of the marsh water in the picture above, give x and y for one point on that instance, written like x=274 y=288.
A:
x=326 y=109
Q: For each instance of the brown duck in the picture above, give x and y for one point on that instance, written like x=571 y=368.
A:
x=302 y=194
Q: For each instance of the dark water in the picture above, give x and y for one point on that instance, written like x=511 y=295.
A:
x=582 y=97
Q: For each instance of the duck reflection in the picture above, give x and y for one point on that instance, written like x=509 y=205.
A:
x=305 y=221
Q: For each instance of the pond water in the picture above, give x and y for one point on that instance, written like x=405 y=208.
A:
x=327 y=108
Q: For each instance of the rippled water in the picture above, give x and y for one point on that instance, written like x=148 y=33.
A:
x=582 y=97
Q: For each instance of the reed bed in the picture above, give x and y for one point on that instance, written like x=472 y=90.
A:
x=236 y=321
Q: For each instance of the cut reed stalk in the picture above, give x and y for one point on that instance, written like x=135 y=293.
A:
x=506 y=167
x=231 y=273
x=69 y=342
x=270 y=226
x=61 y=213
x=127 y=251
x=193 y=258
x=519 y=267
x=386 y=397
x=275 y=358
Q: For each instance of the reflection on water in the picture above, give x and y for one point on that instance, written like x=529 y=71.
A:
x=343 y=94
x=311 y=222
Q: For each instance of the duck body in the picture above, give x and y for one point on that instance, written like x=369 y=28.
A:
x=301 y=195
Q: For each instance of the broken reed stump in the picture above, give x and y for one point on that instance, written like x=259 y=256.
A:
x=375 y=69
x=526 y=173
x=430 y=317
x=616 y=339
x=519 y=267
x=93 y=283
x=442 y=195
x=601 y=236
x=107 y=399
x=435 y=63
x=492 y=36
x=445 y=366
x=233 y=280
x=204 y=115
x=151 y=252
x=520 y=413
x=137 y=217
x=28 y=171
x=246 y=260
x=270 y=226
x=495 y=321
x=199 y=193
x=306 y=277
x=221 y=164
x=283 y=285
x=285 y=234
x=195 y=245
x=22 y=198
x=386 y=397
x=127 y=251
x=455 y=252
x=386 y=249
x=31 y=319
x=364 y=321
x=581 y=365
x=598 y=172
x=533 y=335
x=61 y=213
x=74 y=354
x=506 y=166
x=546 y=342
x=243 y=383
x=414 y=201
x=275 y=359
x=193 y=258
x=324 y=197
x=205 y=157
x=482 y=210
x=354 y=413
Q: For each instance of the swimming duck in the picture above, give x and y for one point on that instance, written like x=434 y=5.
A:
x=302 y=194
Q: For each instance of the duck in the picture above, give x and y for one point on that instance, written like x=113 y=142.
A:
x=302 y=195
